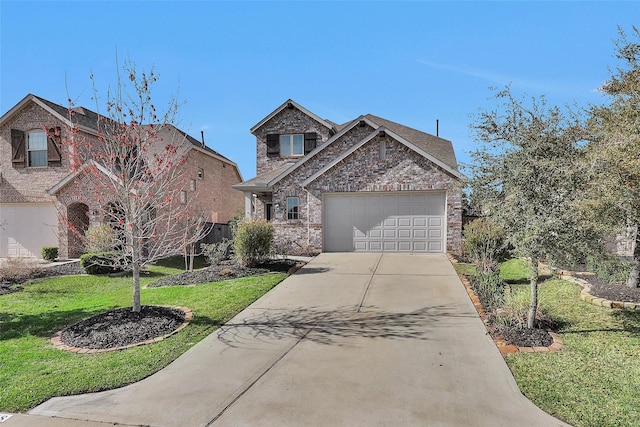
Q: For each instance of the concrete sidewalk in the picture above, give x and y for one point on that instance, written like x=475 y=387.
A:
x=350 y=339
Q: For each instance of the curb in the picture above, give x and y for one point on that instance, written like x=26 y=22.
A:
x=57 y=341
x=600 y=302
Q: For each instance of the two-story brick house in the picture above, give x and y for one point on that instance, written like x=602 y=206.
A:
x=368 y=185
x=39 y=187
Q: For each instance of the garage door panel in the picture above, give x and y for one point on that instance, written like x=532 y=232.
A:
x=375 y=233
x=405 y=234
x=384 y=222
x=419 y=234
x=419 y=221
x=404 y=222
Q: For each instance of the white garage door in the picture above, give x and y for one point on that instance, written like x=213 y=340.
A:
x=384 y=222
x=26 y=228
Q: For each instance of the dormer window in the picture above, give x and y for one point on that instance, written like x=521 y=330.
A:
x=292 y=145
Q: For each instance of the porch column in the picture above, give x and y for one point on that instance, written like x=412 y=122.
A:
x=248 y=204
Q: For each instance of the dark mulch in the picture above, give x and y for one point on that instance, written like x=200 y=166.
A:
x=224 y=271
x=611 y=291
x=13 y=284
x=122 y=327
x=526 y=337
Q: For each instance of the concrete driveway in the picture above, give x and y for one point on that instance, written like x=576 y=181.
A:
x=349 y=340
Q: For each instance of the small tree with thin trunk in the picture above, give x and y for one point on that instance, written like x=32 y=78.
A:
x=136 y=174
x=527 y=179
x=614 y=149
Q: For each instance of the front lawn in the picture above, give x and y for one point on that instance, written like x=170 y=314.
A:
x=594 y=380
x=32 y=370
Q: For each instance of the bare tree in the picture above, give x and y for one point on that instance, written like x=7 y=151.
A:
x=136 y=171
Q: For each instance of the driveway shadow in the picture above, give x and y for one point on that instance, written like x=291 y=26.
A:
x=330 y=326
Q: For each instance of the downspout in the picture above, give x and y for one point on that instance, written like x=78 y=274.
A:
x=308 y=218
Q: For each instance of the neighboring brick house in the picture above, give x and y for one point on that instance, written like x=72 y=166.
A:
x=38 y=184
x=368 y=185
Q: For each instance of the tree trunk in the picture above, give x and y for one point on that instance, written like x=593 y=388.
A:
x=634 y=275
x=136 y=288
x=533 y=283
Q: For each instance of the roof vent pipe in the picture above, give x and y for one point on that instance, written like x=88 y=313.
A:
x=437 y=127
x=202 y=135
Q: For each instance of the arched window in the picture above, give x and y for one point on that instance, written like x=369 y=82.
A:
x=37 y=148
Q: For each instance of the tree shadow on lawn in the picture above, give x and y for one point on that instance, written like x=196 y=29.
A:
x=629 y=322
x=330 y=326
x=16 y=325
x=525 y=280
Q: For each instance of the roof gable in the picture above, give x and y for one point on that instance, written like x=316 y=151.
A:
x=396 y=137
x=440 y=148
x=289 y=103
x=86 y=119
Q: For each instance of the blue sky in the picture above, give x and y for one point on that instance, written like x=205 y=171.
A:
x=233 y=63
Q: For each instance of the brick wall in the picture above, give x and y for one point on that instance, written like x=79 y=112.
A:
x=29 y=184
x=212 y=193
x=363 y=171
x=287 y=121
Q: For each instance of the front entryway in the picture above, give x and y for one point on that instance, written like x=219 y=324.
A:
x=385 y=222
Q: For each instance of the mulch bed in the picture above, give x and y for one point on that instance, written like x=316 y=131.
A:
x=15 y=283
x=224 y=271
x=526 y=337
x=122 y=327
x=611 y=291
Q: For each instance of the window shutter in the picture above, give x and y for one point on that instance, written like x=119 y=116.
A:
x=54 y=141
x=309 y=142
x=17 y=147
x=273 y=144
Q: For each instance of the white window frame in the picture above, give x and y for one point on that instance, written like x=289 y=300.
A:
x=30 y=150
x=287 y=146
x=192 y=185
x=183 y=197
x=293 y=208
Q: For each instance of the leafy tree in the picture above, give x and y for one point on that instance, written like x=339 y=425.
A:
x=136 y=175
x=613 y=152
x=526 y=179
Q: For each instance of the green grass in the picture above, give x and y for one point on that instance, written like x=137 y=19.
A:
x=32 y=370
x=594 y=380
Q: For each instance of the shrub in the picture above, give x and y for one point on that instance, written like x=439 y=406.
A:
x=252 y=241
x=515 y=310
x=100 y=239
x=490 y=289
x=49 y=253
x=610 y=270
x=215 y=253
x=100 y=263
x=484 y=243
x=17 y=270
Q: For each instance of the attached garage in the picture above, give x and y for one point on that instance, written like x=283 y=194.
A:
x=26 y=228
x=385 y=222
